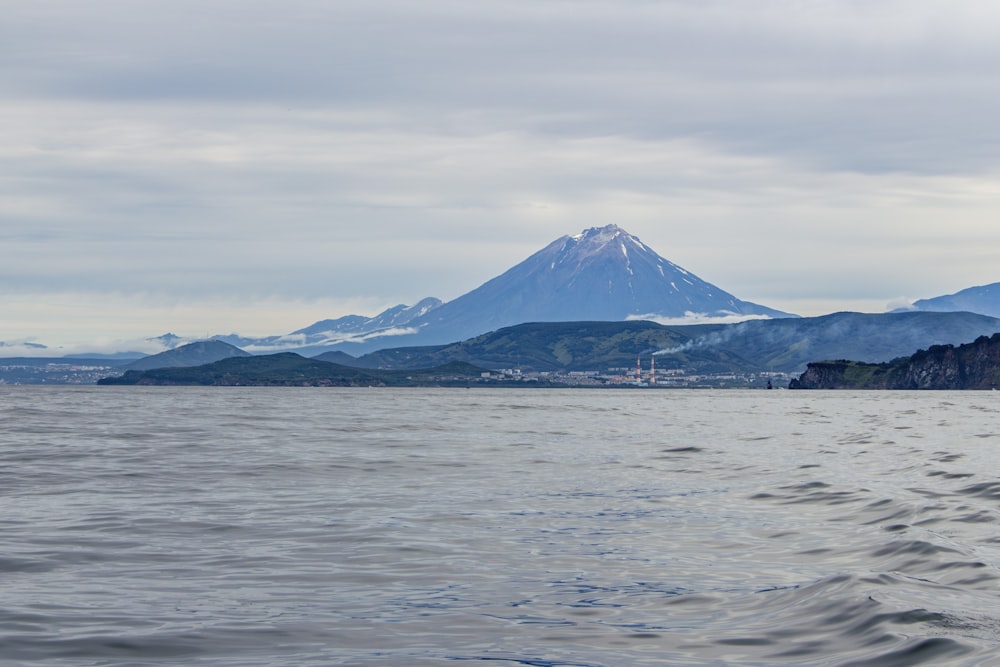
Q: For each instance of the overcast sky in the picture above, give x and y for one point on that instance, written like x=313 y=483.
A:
x=210 y=166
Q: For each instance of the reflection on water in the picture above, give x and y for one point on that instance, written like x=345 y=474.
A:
x=151 y=526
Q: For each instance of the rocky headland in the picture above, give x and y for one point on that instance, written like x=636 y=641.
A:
x=975 y=365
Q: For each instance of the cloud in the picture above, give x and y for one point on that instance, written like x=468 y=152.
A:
x=900 y=303
x=847 y=85
x=236 y=154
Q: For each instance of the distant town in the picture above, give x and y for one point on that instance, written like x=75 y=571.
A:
x=51 y=371
x=638 y=377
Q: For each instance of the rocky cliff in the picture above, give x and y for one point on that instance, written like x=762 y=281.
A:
x=974 y=365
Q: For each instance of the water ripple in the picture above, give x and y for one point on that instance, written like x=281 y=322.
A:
x=254 y=527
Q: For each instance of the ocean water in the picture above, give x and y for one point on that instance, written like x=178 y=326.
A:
x=301 y=527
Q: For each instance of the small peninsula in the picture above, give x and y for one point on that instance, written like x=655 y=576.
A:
x=288 y=369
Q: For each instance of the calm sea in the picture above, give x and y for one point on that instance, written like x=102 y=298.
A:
x=302 y=527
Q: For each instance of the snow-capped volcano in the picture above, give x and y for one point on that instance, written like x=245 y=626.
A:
x=602 y=273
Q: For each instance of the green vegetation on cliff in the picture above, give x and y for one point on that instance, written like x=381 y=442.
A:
x=974 y=365
x=569 y=346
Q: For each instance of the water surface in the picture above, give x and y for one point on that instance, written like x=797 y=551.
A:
x=291 y=527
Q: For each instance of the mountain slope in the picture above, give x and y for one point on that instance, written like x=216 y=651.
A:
x=789 y=344
x=984 y=299
x=601 y=274
x=192 y=354
x=324 y=334
x=397 y=316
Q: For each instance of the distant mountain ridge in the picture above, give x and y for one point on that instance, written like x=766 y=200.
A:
x=192 y=354
x=984 y=299
x=397 y=316
x=347 y=329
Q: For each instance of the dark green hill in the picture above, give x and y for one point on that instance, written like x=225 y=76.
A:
x=338 y=357
x=778 y=345
x=288 y=369
x=568 y=346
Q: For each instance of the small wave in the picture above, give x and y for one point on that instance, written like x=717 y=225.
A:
x=916 y=652
x=990 y=490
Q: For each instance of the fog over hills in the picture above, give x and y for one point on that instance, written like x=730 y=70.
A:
x=786 y=344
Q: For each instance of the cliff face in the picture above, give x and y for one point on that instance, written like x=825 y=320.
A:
x=940 y=367
x=974 y=365
x=842 y=374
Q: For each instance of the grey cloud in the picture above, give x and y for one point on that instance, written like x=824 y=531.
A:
x=393 y=150
x=837 y=85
